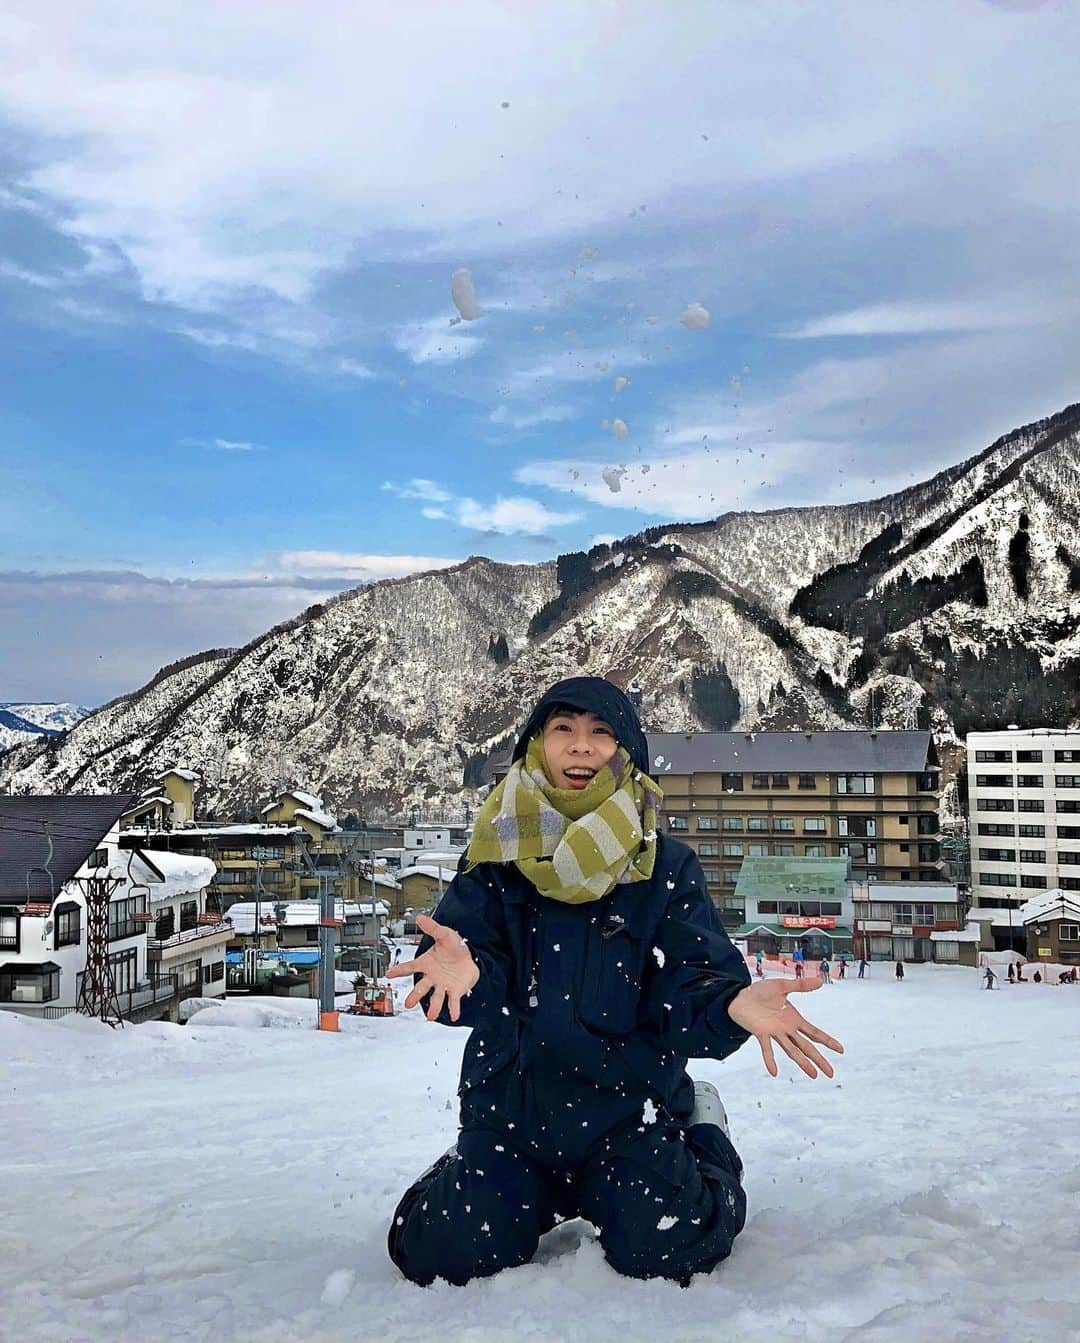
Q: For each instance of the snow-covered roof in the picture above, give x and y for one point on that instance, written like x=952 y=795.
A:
x=320 y=818
x=297 y=913
x=447 y=873
x=167 y=874
x=1049 y=905
x=309 y=800
x=972 y=933
x=997 y=918
x=192 y=776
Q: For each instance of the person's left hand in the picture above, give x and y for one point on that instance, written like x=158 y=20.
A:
x=763 y=1010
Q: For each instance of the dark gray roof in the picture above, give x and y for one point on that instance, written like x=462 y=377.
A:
x=74 y=823
x=842 y=752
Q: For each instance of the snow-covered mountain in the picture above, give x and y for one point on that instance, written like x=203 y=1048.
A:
x=954 y=603
x=27 y=722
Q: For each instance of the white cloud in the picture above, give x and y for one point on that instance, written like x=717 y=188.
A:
x=513 y=516
x=418 y=488
x=435 y=341
x=232 y=445
x=360 y=567
x=915 y=318
x=528 y=419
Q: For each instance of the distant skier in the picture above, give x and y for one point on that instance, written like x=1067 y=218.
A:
x=1012 y=973
x=842 y=971
x=862 y=967
x=759 y=960
x=899 y=969
x=989 y=978
x=826 y=970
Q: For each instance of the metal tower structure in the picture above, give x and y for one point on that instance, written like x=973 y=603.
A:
x=97 y=995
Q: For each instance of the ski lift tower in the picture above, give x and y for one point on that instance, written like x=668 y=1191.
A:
x=97 y=994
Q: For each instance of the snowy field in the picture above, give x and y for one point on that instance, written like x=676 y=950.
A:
x=224 y=1181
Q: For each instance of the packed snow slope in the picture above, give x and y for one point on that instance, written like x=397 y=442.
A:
x=953 y=604
x=233 y=1180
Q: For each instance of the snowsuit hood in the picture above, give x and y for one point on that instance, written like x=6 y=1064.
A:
x=591 y=694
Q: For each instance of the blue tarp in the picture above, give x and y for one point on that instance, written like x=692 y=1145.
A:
x=291 y=955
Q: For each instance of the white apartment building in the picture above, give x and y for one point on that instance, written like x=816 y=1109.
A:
x=1023 y=813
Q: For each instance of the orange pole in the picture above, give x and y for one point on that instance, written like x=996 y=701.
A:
x=328 y=1021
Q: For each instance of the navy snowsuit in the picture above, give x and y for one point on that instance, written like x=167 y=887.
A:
x=574 y=1091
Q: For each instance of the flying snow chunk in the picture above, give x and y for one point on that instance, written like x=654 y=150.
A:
x=648 y=1113
x=613 y=477
x=619 y=428
x=659 y=954
x=620 y=383
x=666 y=1223
x=695 y=318
x=464 y=296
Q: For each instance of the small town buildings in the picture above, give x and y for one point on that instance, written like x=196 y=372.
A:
x=307 y=810
x=293 y=926
x=185 y=939
x=168 y=802
x=1023 y=814
x=422 y=886
x=1052 y=927
x=50 y=848
x=796 y=903
x=870 y=797
x=898 y=922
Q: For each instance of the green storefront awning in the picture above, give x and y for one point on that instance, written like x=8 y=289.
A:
x=778 y=930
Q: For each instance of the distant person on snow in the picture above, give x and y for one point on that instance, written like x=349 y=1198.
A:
x=759 y=960
x=1012 y=973
x=989 y=978
x=583 y=950
x=825 y=970
x=862 y=967
x=899 y=969
x=842 y=970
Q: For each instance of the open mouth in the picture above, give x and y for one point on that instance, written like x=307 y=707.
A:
x=579 y=775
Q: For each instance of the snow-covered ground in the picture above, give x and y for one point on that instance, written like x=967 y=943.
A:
x=222 y=1181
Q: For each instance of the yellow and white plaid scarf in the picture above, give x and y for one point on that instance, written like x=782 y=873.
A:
x=573 y=844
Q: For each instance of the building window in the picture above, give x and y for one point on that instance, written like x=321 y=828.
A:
x=766 y=907
x=1033 y=855
x=996 y=828
x=732 y=822
x=678 y=823
x=926 y=783
x=712 y=876
x=1068 y=808
x=759 y=781
x=9 y=929
x=807 y=781
x=733 y=851
x=785 y=824
x=1069 y=883
x=928 y=823
x=1069 y=932
x=30 y=983
x=855 y=783
x=1066 y=831
x=997 y=855
x=757 y=823
x=993 y=780
x=122 y=917
x=1067 y=780
x=1066 y=858
x=312 y=934
x=99 y=858
x=1067 y=757
x=1029 y=757
x=730 y=877
x=189 y=914
x=1030 y=804
x=1031 y=831
x=1032 y=881
x=814 y=825
x=708 y=849
x=780 y=781
x=814 y=850
x=997 y=879
x=708 y=822
x=994 y=804
x=234 y=876
x=274 y=876
x=68 y=925
x=731 y=783
x=993 y=757
x=1029 y=781
x=125 y=969
x=784 y=850
x=946 y=951
x=758 y=851
x=217 y=971
x=165 y=925
x=871 y=854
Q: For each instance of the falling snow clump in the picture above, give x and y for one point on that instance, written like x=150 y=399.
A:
x=464 y=296
x=695 y=318
x=613 y=477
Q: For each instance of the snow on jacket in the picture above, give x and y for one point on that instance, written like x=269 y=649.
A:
x=596 y=1005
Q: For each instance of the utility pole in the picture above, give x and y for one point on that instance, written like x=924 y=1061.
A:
x=328 y=924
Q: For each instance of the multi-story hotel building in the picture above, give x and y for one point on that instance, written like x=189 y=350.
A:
x=1023 y=813
x=869 y=796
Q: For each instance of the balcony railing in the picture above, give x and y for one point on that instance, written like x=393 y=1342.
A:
x=155 y=989
x=188 y=935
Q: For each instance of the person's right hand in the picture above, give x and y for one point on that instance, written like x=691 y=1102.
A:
x=448 y=970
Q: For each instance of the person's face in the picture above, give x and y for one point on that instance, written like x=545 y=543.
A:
x=576 y=745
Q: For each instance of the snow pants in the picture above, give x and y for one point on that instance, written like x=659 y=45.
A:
x=666 y=1202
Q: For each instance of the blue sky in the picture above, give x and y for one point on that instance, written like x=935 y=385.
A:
x=227 y=235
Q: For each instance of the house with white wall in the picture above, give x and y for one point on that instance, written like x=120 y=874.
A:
x=185 y=939
x=49 y=847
